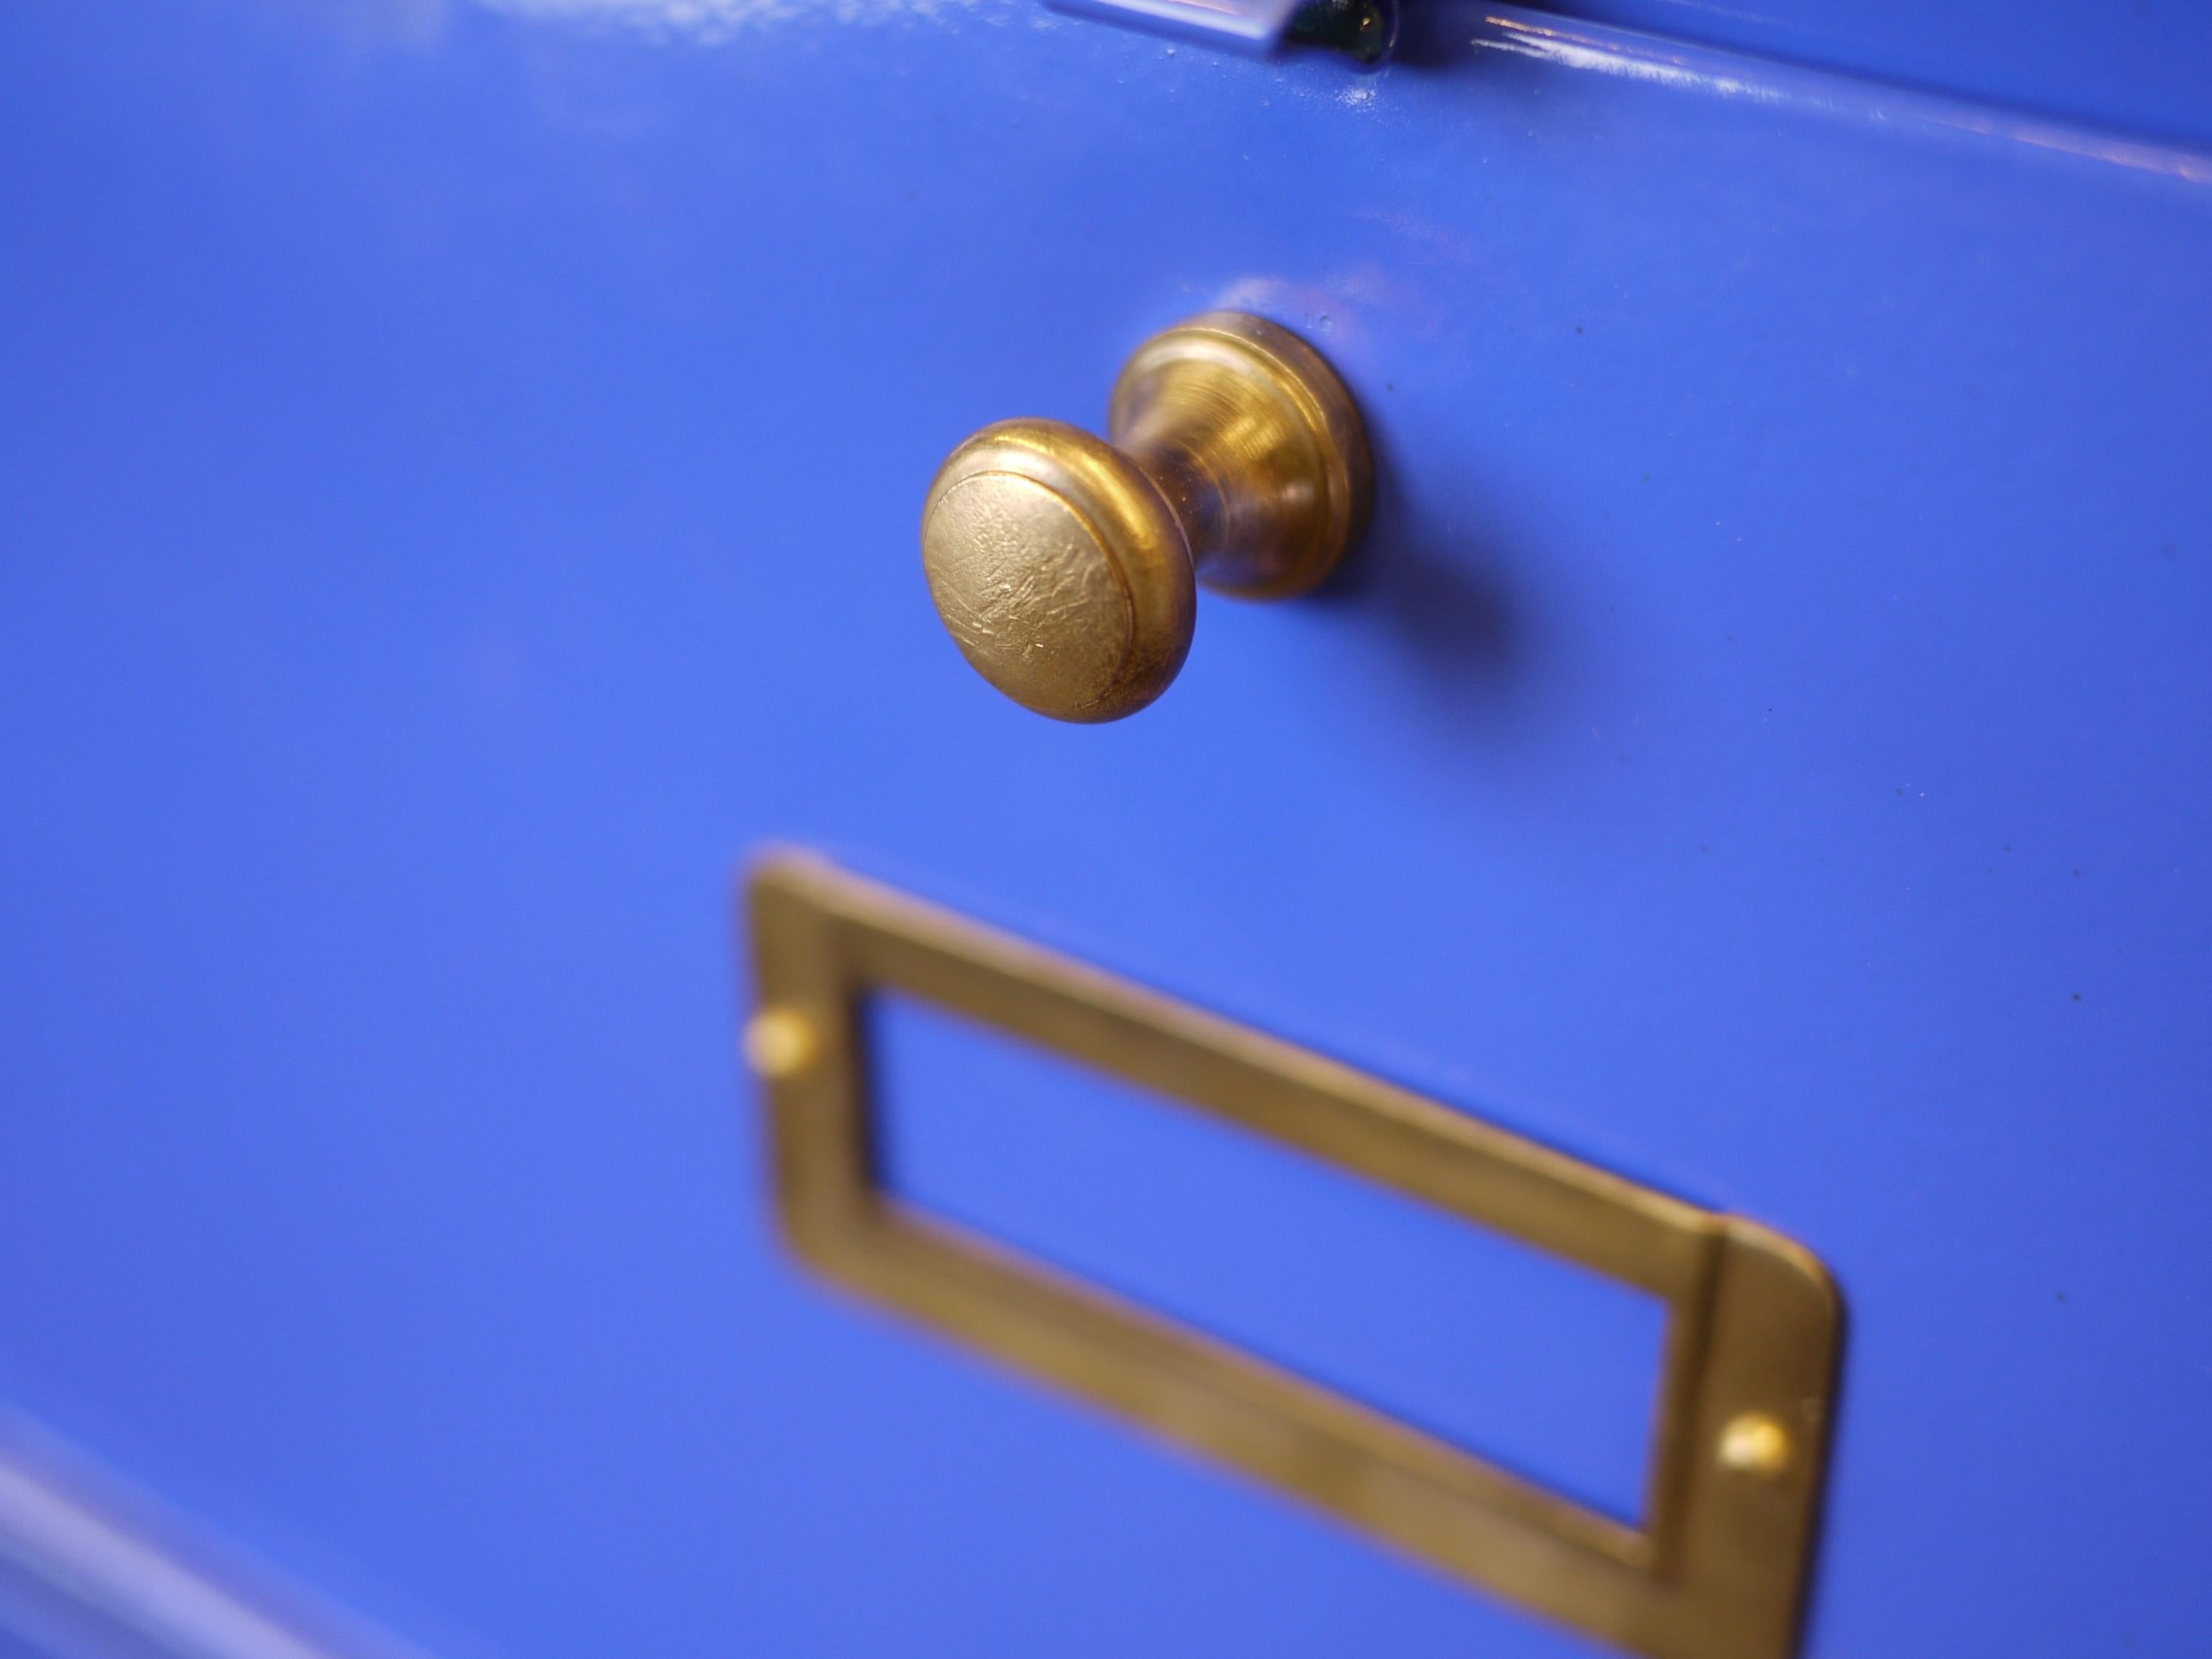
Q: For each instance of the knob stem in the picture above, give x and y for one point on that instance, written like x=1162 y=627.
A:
x=1256 y=446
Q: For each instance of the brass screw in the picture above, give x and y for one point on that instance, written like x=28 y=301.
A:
x=1754 y=1443
x=781 y=1042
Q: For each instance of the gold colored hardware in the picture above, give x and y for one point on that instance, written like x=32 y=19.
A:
x=1754 y=1443
x=1716 y=1568
x=1063 y=566
x=781 y=1042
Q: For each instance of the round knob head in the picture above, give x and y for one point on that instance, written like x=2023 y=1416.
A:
x=1059 y=570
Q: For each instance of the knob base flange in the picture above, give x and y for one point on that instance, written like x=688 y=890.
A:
x=1257 y=446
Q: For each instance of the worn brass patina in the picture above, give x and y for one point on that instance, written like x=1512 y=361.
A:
x=1716 y=1568
x=1065 y=566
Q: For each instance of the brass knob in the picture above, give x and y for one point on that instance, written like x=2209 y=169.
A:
x=1063 y=565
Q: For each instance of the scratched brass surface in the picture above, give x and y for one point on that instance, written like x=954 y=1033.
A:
x=1064 y=565
x=1717 y=1569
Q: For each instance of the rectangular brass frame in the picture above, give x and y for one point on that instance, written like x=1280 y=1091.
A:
x=1718 y=1568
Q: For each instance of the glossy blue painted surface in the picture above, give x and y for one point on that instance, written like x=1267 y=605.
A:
x=459 y=490
x=2143 y=66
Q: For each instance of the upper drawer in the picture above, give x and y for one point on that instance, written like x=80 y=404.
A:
x=463 y=495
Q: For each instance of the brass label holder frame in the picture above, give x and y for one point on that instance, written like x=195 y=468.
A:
x=1718 y=1566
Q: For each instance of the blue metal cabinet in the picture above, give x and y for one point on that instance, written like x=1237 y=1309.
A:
x=461 y=465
